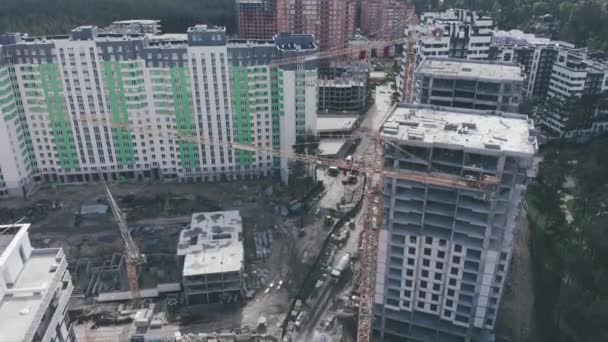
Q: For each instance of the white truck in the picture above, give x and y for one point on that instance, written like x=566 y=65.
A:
x=340 y=267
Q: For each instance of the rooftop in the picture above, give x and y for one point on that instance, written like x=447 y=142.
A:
x=206 y=28
x=335 y=123
x=137 y=21
x=470 y=69
x=517 y=37
x=20 y=302
x=330 y=147
x=212 y=244
x=467 y=128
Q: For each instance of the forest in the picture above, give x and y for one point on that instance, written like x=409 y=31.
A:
x=568 y=214
x=38 y=17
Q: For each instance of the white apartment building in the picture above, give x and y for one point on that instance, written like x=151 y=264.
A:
x=35 y=288
x=575 y=73
x=456 y=33
x=87 y=106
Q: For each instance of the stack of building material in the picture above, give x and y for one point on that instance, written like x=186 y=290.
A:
x=263 y=244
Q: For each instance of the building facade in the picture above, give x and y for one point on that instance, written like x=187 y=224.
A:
x=536 y=56
x=256 y=19
x=35 y=288
x=332 y=22
x=456 y=33
x=212 y=253
x=344 y=87
x=445 y=249
x=81 y=107
x=575 y=73
x=385 y=19
x=462 y=83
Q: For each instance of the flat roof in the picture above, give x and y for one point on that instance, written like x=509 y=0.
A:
x=137 y=21
x=467 y=128
x=335 y=123
x=213 y=243
x=330 y=147
x=470 y=69
x=23 y=300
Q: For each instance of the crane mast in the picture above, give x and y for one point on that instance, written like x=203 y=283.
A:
x=133 y=257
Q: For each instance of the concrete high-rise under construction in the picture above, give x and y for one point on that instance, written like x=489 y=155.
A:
x=446 y=245
x=461 y=83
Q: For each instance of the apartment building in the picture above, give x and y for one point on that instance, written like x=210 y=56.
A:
x=535 y=54
x=385 y=19
x=445 y=248
x=456 y=33
x=575 y=72
x=331 y=22
x=87 y=106
x=35 y=287
x=471 y=84
x=212 y=253
x=256 y=19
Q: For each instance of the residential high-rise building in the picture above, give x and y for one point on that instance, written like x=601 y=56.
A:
x=575 y=72
x=256 y=19
x=332 y=22
x=65 y=100
x=536 y=55
x=446 y=246
x=456 y=33
x=556 y=72
x=35 y=288
x=464 y=83
x=385 y=19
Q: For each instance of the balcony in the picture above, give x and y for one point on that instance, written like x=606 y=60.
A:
x=469 y=229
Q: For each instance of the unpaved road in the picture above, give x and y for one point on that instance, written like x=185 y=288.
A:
x=516 y=315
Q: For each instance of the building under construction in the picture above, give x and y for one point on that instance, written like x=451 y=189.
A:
x=463 y=83
x=213 y=257
x=445 y=249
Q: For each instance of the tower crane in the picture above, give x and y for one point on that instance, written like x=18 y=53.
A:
x=133 y=257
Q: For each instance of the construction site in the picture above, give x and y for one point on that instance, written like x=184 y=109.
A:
x=253 y=260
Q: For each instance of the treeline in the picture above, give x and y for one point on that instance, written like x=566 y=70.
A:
x=571 y=255
x=583 y=22
x=39 y=17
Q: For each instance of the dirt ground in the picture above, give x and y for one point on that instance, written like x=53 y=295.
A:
x=157 y=212
x=516 y=315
